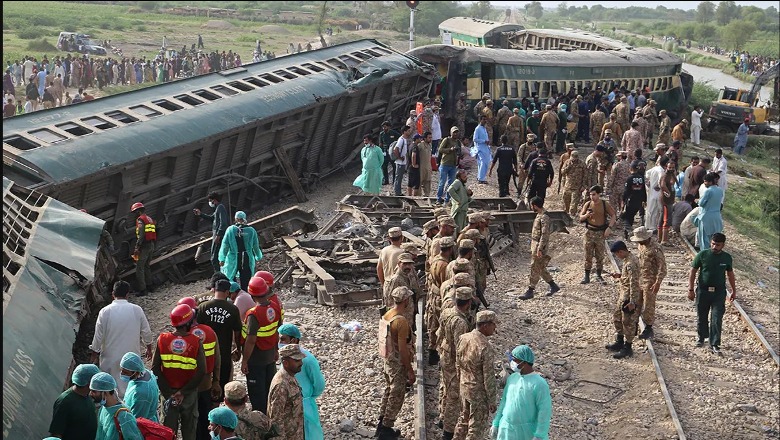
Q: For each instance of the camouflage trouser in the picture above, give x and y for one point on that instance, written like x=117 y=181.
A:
x=626 y=323
x=432 y=312
x=571 y=200
x=648 y=313
x=594 y=246
x=461 y=123
x=549 y=139
x=489 y=129
x=538 y=266
x=473 y=420
x=513 y=138
x=601 y=178
x=480 y=275
x=395 y=388
x=449 y=396
x=615 y=196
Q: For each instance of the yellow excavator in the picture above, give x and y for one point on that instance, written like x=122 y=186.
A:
x=734 y=105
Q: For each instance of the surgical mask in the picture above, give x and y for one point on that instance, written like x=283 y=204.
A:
x=125 y=378
x=214 y=436
x=513 y=365
x=212 y=204
x=282 y=345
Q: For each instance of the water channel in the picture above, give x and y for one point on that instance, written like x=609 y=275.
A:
x=719 y=79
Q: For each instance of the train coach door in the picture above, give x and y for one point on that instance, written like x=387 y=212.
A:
x=454 y=84
x=488 y=75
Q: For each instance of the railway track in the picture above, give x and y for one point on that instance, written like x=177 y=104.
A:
x=727 y=396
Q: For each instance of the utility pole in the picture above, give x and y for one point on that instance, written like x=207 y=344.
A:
x=412 y=7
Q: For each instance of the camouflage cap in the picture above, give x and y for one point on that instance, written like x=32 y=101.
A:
x=411 y=249
x=293 y=351
x=486 y=316
x=486 y=215
x=466 y=244
x=464 y=292
x=463 y=279
x=461 y=265
x=475 y=217
x=439 y=212
x=394 y=232
x=401 y=293
x=570 y=145
x=431 y=224
x=235 y=390
x=446 y=220
x=473 y=234
x=446 y=242
x=406 y=258
x=575 y=153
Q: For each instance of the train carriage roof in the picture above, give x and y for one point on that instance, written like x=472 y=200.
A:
x=585 y=36
x=641 y=56
x=83 y=155
x=476 y=27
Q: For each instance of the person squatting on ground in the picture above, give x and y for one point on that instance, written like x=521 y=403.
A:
x=540 y=239
x=599 y=218
x=713 y=266
x=629 y=301
x=395 y=338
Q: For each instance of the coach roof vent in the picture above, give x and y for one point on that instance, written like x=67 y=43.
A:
x=115 y=115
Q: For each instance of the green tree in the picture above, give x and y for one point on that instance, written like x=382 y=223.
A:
x=427 y=18
x=481 y=9
x=735 y=34
x=686 y=31
x=563 y=7
x=705 y=33
x=705 y=12
x=726 y=12
x=534 y=9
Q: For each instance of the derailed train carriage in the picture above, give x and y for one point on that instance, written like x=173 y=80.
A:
x=257 y=134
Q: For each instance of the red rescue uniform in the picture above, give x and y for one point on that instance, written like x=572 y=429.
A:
x=209 y=340
x=269 y=318
x=179 y=355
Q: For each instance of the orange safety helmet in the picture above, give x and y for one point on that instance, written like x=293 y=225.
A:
x=257 y=286
x=136 y=205
x=181 y=315
x=267 y=276
x=190 y=301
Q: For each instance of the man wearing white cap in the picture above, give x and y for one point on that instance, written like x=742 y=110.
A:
x=240 y=251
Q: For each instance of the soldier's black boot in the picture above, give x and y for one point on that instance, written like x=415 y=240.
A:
x=626 y=351
x=386 y=433
x=617 y=346
x=553 y=288
x=528 y=294
x=647 y=333
x=598 y=277
x=586 y=280
x=448 y=435
x=433 y=357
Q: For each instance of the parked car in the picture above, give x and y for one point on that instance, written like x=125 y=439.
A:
x=75 y=42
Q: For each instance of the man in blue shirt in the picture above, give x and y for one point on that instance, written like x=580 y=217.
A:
x=481 y=150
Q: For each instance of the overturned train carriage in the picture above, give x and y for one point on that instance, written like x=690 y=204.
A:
x=256 y=134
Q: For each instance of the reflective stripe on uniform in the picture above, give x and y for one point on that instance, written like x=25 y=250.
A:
x=180 y=362
x=209 y=348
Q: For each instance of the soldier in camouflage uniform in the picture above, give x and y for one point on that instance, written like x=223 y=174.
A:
x=522 y=156
x=629 y=303
x=437 y=275
x=404 y=276
x=427 y=119
x=474 y=360
x=465 y=252
x=651 y=116
x=665 y=129
x=502 y=117
x=652 y=270
x=252 y=425
x=597 y=121
x=460 y=112
x=514 y=129
x=430 y=229
x=480 y=106
x=592 y=165
x=454 y=323
x=622 y=114
x=490 y=114
x=480 y=261
x=474 y=220
x=548 y=127
x=617 y=180
x=285 y=400
x=614 y=128
x=446 y=229
x=573 y=173
x=540 y=239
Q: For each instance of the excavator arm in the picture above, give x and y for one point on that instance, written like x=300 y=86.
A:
x=762 y=79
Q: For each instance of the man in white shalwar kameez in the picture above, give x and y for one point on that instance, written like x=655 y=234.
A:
x=720 y=167
x=654 y=206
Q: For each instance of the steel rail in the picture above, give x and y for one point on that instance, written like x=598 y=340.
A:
x=420 y=427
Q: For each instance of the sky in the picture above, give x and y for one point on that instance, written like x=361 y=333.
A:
x=685 y=5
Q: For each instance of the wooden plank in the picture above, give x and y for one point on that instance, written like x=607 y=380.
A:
x=284 y=160
x=327 y=279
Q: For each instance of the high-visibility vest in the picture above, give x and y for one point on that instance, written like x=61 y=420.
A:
x=209 y=340
x=268 y=317
x=275 y=299
x=150 y=230
x=179 y=356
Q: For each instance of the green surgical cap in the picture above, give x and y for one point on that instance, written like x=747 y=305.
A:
x=83 y=373
x=223 y=416
x=131 y=361
x=102 y=382
x=290 y=330
x=523 y=353
x=234 y=287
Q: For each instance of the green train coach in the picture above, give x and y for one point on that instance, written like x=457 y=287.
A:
x=516 y=74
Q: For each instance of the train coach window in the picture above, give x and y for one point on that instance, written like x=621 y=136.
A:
x=205 y=94
x=227 y=91
x=284 y=74
x=373 y=53
x=187 y=99
x=116 y=115
x=337 y=64
x=240 y=86
x=381 y=50
x=298 y=70
x=74 y=129
x=502 y=88
x=312 y=67
x=145 y=111
x=513 y=89
x=167 y=105
x=99 y=123
x=47 y=135
x=257 y=82
x=20 y=143
x=665 y=84
x=524 y=91
x=349 y=61
x=271 y=78
x=545 y=93
x=361 y=55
